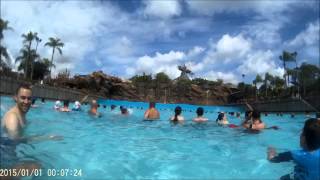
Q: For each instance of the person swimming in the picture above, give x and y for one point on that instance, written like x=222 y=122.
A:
x=177 y=118
x=113 y=107
x=57 y=105
x=306 y=159
x=94 y=109
x=124 y=110
x=200 y=117
x=222 y=119
x=152 y=113
x=65 y=107
x=257 y=123
x=76 y=106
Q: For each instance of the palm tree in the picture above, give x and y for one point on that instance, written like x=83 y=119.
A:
x=3 y=50
x=55 y=43
x=4 y=26
x=28 y=38
x=38 y=40
x=286 y=57
x=24 y=59
x=257 y=80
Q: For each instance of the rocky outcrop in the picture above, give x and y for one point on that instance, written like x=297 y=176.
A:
x=112 y=87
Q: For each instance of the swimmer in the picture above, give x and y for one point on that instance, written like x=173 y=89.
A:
x=65 y=107
x=177 y=118
x=307 y=158
x=222 y=119
x=257 y=123
x=33 y=103
x=200 y=117
x=57 y=105
x=124 y=110
x=14 y=121
x=94 y=109
x=76 y=106
x=152 y=113
x=113 y=107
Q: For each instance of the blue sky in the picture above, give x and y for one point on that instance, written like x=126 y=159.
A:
x=215 y=39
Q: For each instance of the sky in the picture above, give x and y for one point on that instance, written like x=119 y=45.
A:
x=215 y=39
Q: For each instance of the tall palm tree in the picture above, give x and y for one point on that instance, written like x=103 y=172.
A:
x=27 y=40
x=38 y=40
x=286 y=57
x=257 y=80
x=4 y=25
x=24 y=59
x=54 y=43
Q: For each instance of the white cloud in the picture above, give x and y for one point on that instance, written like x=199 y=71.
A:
x=212 y=7
x=260 y=62
x=227 y=77
x=159 y=63
x=70 y=21
x=308 y=37
x=227 y=49
x=162 y=9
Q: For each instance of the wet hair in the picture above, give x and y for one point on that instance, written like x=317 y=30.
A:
x=256 y=115
x=311 y=132
x=23 y=86
x=66 y=103
x=220 y=117
x=199 y=111
x=113 y=106
x=248 y=115
x=123 y=110
x=177 y=112
x=152 y=104
x=104 y=106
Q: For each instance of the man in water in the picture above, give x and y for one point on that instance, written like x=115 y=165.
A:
x=94 y=109
x=12 y=126
x=14 y=121
x=152 y=113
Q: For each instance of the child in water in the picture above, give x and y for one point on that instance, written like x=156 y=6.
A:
x=307 y=159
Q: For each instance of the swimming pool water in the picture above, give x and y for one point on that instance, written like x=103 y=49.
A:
x=125 y=147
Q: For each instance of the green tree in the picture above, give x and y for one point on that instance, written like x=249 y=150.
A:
x=287 y=57
x=54 y=43
x=162 y=77
x=38 y=40
x=257 y=80
x=27 y=41
x=24 y=60
x=4 y=25
x=309 y=74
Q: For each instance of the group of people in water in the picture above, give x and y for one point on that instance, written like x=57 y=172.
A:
x=307 y=158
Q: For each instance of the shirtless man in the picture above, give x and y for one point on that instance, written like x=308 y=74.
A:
x=14 y=121
x=152 y=113
x=94 y=109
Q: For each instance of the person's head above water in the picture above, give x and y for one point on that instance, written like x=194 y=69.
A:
x=220 y=116
x=94 y=104
x=199 y=111
x=66 y=103
x=177 y=110
x=256 y=115
x=123 y=110
x=113 y=106
x=310 y=136
x=152 y=105
x=23 y=97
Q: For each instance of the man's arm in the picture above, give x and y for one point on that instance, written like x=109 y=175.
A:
x=12 y=126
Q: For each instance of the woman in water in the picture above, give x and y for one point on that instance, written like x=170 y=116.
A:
x=222 y=119
x=177 y=118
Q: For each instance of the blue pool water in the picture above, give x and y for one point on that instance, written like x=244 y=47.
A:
x=119 y=147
